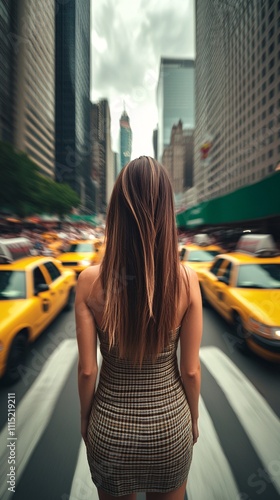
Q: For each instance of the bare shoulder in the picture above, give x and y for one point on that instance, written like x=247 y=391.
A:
x=190 y=279
x=188 y=272
x=88 y=276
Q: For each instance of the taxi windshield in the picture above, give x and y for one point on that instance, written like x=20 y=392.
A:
x=81 y=247
x=12 y=285
x=201 y=255
x=259 y=276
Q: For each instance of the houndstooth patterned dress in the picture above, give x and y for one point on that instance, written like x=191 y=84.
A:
x=139 y=437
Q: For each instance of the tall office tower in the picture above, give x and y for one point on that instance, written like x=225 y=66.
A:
x=7 y=69
x=72 y=97
x=125 y=139
x=237 y=94
x=95 y=159
x=155 y=142
x=175 y=98
x=103 y=159
x=178 y=158
x=33 y=47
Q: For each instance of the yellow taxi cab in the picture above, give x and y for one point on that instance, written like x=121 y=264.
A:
x=200 y=253
x=244 y=288
x=53 y=242
x=82 y=253
x=33 y=291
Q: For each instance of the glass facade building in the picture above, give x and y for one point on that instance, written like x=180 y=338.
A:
x=125 y=139
x=103 y=158
x=7 y=69
x=30 y=99
x=72 y=97
x=175 y=98
x=237 y=132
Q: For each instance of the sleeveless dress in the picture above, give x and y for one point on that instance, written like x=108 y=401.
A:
x=139 y=436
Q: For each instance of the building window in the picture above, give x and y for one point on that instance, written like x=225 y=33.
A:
x=271 y=32
x=271 y=48
x=271 y=63
x=271 y=94
x=270 y=109
x=271 y=78
x=270 y=153
x=271 y=15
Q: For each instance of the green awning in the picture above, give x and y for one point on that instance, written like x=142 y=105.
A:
x=257 y=201
x=83 y=218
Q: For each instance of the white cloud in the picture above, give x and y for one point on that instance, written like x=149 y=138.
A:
x=128 y=40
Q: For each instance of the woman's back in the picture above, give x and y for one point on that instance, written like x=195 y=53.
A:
x=140 y=424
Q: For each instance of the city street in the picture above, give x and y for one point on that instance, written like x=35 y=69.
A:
x=238 y=452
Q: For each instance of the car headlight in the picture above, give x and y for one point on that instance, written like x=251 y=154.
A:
x=257 y=327
x=85 y=262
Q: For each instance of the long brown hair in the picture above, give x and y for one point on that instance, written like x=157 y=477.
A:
x=140 y=272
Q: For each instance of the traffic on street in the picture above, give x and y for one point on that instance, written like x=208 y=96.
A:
x=239 y=403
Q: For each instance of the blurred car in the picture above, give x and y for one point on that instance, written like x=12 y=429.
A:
x=33 y=291
x=244 y=288
x=197 y=257
x=82 y=253
x=54 y=243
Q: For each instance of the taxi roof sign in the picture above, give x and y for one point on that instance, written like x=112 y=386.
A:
x=257 y=244
x=12 y=249
x=201 y=239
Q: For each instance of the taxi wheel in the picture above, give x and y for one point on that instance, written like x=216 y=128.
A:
x=240 y=332
x=70 y=301
x=16 y=358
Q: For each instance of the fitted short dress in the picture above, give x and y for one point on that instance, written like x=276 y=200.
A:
x=139 y=436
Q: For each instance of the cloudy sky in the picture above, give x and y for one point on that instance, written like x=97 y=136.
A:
x=128 y=38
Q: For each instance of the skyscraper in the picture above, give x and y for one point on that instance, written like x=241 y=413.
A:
x=178 y=158
x=34 y=108
x=237 y=94
x=103 y=159
x=125 y=139
x=7 y=69
x=175 y=98
x=72 y=97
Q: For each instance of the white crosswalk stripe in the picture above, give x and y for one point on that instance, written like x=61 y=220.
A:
x=36 y=408
x=82 y=485
x=210 y=476
x=255 y=415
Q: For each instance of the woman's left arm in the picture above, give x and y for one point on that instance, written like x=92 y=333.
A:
x=87 y=345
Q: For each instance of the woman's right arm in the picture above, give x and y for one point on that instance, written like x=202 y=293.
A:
x=190 y=339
